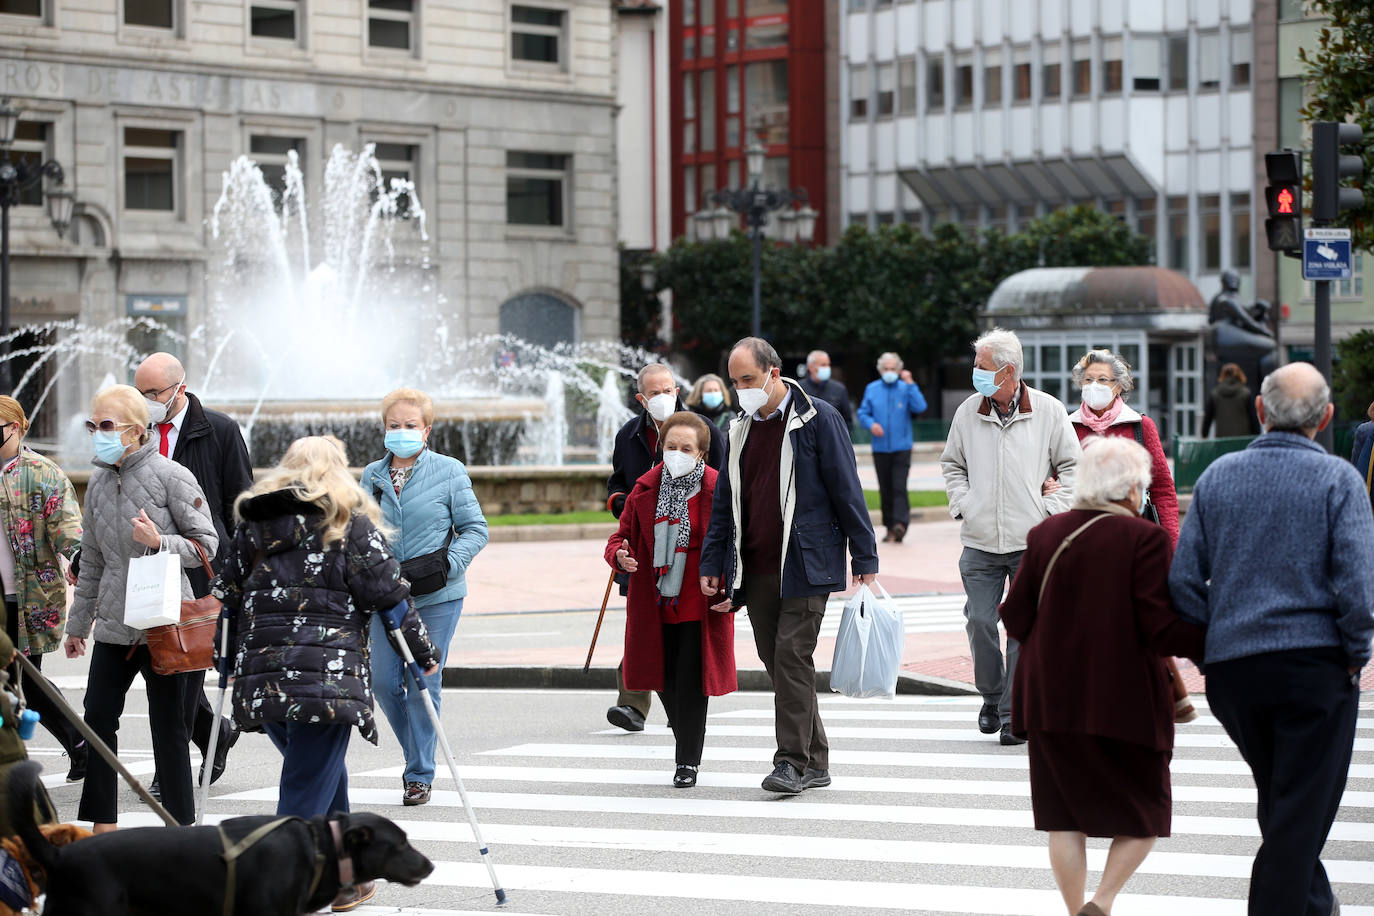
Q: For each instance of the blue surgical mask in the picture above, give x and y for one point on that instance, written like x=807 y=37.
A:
x=823 y=374
x=713 y=399
x=404 y=443
x=985 y=382
x=889 y=377
x=109 y=447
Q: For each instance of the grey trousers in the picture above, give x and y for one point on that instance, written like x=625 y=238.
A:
x=785 y=633
x=986 y=576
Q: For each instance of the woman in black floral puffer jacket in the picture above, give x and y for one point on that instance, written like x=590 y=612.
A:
x=306 y=569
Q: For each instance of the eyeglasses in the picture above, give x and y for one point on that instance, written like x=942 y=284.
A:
x=1088 y=380
x=152 y=394
x=105 y=426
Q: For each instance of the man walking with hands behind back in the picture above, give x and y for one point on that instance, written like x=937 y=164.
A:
x=1274 y=560
x=784 y=508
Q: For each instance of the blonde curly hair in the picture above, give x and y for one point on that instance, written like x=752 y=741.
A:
x=315 y=470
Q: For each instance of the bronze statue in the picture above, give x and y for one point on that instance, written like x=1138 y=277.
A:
x=1241 y=335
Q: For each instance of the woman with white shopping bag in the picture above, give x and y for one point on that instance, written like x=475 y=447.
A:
x=138 y=504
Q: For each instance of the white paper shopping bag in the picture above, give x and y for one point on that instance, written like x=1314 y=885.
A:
x=152 y=591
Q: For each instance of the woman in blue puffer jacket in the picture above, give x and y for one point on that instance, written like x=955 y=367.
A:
x=427 y=498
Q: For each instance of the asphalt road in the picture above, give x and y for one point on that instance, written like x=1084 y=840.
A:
x=925 y=816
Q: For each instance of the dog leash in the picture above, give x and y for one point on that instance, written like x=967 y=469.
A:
x=232 y=853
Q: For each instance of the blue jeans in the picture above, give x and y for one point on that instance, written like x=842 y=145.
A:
x=314 y=779
x=398 y=696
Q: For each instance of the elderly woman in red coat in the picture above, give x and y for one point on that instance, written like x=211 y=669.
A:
x=674 y=643
x=1090 y=608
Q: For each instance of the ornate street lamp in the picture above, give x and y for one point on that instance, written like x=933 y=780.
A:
x=17 y=176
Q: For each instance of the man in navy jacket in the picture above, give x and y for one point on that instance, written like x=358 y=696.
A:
x=785 y=507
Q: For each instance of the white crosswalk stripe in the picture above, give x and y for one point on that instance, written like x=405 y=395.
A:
x=591 y=825
x=920 y=614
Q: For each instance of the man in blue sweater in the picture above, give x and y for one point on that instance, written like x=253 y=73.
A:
x=1274 y=560
x=889 y=403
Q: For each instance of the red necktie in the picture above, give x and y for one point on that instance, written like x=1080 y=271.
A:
x=164 y=428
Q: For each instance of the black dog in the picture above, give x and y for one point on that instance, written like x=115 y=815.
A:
x=158 y=871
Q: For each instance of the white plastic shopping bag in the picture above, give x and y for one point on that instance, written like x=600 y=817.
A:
x=152 y=591
x=868 y=646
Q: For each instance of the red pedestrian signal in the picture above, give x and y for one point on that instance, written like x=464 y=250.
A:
x=1283 y=197
x=1285 y=201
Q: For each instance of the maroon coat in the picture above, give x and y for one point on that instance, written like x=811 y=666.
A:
x=1162 y=492
x=643 y=667
x=1092 y=657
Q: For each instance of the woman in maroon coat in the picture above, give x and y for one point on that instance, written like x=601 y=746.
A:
x=1092 y=688
x=674 y=643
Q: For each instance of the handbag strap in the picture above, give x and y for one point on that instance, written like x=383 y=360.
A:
x=1064 y=545
x=204 y=557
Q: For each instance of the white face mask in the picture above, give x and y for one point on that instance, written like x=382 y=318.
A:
x=752 y=400
x=1098 y=396
x=678 y=464
x=157 y=410
x=662 y=406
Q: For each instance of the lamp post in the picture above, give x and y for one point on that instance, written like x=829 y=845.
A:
x=755 y=203
x=17 y=176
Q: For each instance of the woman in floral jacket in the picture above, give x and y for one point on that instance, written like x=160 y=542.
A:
x=42 y=520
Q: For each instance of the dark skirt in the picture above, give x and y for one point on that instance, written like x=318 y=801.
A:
x=1099 y=786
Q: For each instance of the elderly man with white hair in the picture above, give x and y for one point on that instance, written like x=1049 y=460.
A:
x=818 y=384
x=1009 y=464
x=889 y=403
x=1274 y=559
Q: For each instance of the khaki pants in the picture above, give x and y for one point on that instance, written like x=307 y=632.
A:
x=785 y=632
x=642 y=700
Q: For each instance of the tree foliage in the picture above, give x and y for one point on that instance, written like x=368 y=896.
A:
x=1352 y=379
x=1340 y=77
x=893 y=289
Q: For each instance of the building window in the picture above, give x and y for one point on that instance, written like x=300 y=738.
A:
x=1020 y=74
x=887 y=91
x=935 y=83
x=1240 y=60
x=1178 y=64
x=858 y=92
x=31 y=147
x=150 y=168
x=389 y=23
x=274 y=19
x=1145 y=64
x=689 y=190
x=1209 y=210
x=1209 y=61
x=766 y=97
x=1178 y=233
x=906 y=86
x=992 y=77
x=1051 y=72
x=858 y=6
x=885 y=218
x=1146 y=218
x=22 y=8
x=1240 y=230
x=536 y=189
x=689 y=11
x=152 y=14
x=1111 y=66
x=272 y=154
x=767 y=24
x=399 y=162
x=963 y=80
x=707 y=135
x=1082 y=67
x=537 y=34
x=1353 y=287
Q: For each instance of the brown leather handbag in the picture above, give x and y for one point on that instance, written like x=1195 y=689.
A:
x=190 y=645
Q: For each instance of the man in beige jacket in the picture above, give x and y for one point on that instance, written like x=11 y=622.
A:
x=1008 y=463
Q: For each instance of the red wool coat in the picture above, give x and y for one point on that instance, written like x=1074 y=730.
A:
x=1162 y=492
x=643 y=668
x=1092 y=654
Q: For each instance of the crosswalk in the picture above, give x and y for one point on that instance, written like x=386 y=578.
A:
x=926 y=816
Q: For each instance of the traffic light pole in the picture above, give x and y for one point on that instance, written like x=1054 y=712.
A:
x=1322 y=349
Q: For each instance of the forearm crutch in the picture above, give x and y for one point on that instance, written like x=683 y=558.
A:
x=207 y=765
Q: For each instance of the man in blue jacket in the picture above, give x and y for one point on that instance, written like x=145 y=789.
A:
x=1274 y=561
x=786 y=504
x=889 y=404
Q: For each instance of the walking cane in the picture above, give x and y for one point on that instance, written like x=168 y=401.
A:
x=605 y=599
x=392 y=619
x=93 y=740
x=207 y=765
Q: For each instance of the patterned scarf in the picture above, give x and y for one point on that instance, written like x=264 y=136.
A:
x=1101 y=424
x=673 y=528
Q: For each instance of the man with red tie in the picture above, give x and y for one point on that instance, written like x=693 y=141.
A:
x=209 y=445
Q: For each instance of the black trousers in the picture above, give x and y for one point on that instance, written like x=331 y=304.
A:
x=200 y=715
x=1292 y=714
x=682 y=695
x=112 y=671
x=50 y=717
x=892 y=469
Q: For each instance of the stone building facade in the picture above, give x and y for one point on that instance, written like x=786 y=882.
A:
x=502 y=112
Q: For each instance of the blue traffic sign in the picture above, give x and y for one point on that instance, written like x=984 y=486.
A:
x=1327 y=256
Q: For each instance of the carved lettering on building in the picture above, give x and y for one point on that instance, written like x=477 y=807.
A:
x=31 y=77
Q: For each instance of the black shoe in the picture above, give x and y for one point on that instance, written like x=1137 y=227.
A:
x=987 y=719
x=155 y=789
x=785 y=779
x=685 y=777
x=898 y=532
x=228 y=737
x=80 y=755
x=815 y=779
x=626 y=717
x=1008 y=739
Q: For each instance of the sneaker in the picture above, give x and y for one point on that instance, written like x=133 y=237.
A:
x=686 y=776
x=80 y=755
x=785 y=780
x=155 y=789
x=350 y=898
x=626 y=717
x=1008 y=739
x=417 y=793
x=815 y=779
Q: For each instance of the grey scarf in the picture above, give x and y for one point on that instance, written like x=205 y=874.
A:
x=673 y=528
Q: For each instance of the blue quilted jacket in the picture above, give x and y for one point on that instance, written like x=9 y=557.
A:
x=437 y=494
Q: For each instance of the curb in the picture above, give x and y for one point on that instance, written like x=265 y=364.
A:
x=568 y=677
